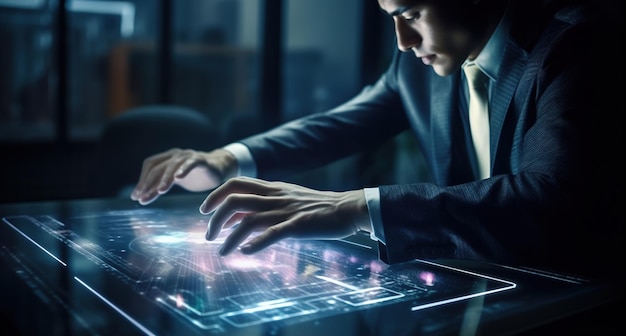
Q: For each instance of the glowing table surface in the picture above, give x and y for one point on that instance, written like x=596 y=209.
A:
x=102 y=266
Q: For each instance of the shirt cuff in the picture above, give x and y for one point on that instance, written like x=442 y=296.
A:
x=372 y=198
x=245 y=162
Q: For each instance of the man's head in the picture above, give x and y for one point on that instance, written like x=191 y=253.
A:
x=443 y=33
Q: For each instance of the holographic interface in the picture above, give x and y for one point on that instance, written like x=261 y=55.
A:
x=162 y=255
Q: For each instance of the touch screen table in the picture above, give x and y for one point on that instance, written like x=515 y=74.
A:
x=102 y=266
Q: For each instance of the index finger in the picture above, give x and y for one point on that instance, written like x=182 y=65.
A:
x=146 y=169
x=234 y=205
x=236 y=185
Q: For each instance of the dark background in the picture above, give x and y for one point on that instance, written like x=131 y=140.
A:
x=60 y=86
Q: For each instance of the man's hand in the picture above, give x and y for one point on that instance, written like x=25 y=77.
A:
x=192 y=170
x=280 y=210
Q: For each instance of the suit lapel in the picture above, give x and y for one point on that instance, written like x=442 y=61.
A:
x=513 y=65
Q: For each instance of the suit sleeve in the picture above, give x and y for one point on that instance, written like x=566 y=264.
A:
x=371 y=117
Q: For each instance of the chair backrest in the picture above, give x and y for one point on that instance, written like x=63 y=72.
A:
x=143 y=131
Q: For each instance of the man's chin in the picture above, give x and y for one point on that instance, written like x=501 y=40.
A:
x=439 y=70
x=443 y=70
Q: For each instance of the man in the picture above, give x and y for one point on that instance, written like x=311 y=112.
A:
x=538 y=192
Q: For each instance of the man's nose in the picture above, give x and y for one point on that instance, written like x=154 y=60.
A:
x=407 y=37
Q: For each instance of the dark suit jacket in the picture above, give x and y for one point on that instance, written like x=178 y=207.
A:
x=555 y=152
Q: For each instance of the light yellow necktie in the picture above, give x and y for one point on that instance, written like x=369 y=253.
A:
x=479 y=116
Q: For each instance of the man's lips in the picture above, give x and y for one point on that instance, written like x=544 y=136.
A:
x=427 y=59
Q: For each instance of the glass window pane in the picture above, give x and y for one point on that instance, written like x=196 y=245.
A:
x=112 y=61
x=321 y=66
x=27 y=87
x=321 y=69
x=215 y=60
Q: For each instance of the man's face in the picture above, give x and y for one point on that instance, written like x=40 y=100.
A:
x=425 y=27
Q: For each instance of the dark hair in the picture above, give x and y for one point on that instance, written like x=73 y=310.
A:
x=469 y=13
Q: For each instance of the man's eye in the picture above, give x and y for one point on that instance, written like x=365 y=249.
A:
x=412 y=17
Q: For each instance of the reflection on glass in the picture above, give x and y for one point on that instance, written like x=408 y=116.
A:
x=162 y=256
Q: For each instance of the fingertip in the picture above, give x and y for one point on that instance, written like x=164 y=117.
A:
x=226 y=249
x=134 y=194
x=180 y=173
x=164 y=186
x=246 y=249
x=146 y=201
x=210 y=235
x=202 y=209
x=205 y=209
x=222 y=251
x=162 y=189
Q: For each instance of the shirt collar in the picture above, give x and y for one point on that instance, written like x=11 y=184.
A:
x=490 y=58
